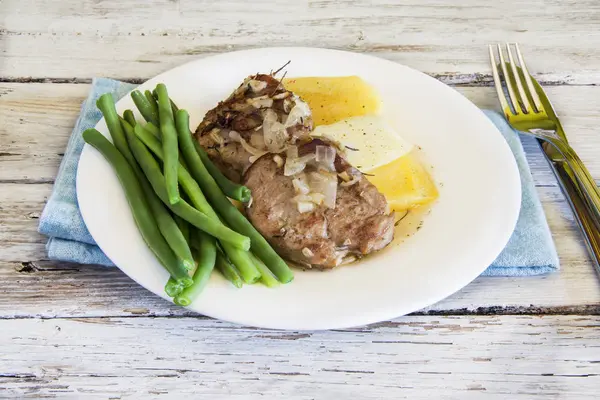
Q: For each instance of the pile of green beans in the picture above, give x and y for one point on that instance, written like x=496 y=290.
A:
x=142 y=214
x=180 y=200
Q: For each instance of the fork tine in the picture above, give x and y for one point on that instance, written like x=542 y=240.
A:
x=509 y=85
x=522 y=94
x=534 y=96
x=498 y=82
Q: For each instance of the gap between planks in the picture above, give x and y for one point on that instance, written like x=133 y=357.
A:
x=454 y=79
x=580 y=310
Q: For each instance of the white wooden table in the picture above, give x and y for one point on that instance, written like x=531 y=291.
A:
x=70 y=331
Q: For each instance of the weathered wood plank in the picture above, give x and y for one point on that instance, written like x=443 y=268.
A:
x=48 y=289
x=38 y=119
x=133 y=39
x=516 y=357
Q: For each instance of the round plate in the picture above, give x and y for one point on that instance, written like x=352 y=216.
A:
x=467 y=228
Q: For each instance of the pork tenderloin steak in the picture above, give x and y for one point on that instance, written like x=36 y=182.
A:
x=259 y=117
x=321 y=237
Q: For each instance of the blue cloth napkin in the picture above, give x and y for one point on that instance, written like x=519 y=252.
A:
x=530 y=250
x=61 y=220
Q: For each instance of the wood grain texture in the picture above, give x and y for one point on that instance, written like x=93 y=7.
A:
x=462 y=357
x=38 y=119
x=134 y=39
x=74 y=331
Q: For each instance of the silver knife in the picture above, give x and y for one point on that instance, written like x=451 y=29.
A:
x=569 y=185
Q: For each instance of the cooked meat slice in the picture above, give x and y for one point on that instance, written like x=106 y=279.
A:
x=260 y=116
x=359 y=224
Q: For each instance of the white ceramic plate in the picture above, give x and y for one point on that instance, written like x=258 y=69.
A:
x=468 y=227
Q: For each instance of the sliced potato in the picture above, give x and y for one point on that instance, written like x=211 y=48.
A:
x=405 y=183
x=333 y=99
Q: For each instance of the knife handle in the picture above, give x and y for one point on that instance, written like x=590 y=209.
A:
x=590 y=193
x=580 y=208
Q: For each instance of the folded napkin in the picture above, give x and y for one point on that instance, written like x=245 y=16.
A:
x=61 y=220
x=530 y=250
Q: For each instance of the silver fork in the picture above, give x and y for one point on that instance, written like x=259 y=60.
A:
x=526 y=113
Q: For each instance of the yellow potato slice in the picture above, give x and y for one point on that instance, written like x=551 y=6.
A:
x=333 y=99
x=405 y=183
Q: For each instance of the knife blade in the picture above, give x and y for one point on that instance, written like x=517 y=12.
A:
x=581 y=211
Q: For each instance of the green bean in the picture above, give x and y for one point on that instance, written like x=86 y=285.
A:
x=144 y=107
x=139 y=206
x=174 y=107
x=266 y=276
x=244 y=264
x=194 y=240
x=172 y=233
x=150 y=127
x=170 y=230
x=169 y=143
x=231 y=215
x=206 y=255
x=231 y=189
x=183 y=227
x=153 y=129
x=106 y=105
x=229 y=272
x=209 y=225
x=129 y=117
x=174 y=288
x=151 y=101
x=241 y=259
